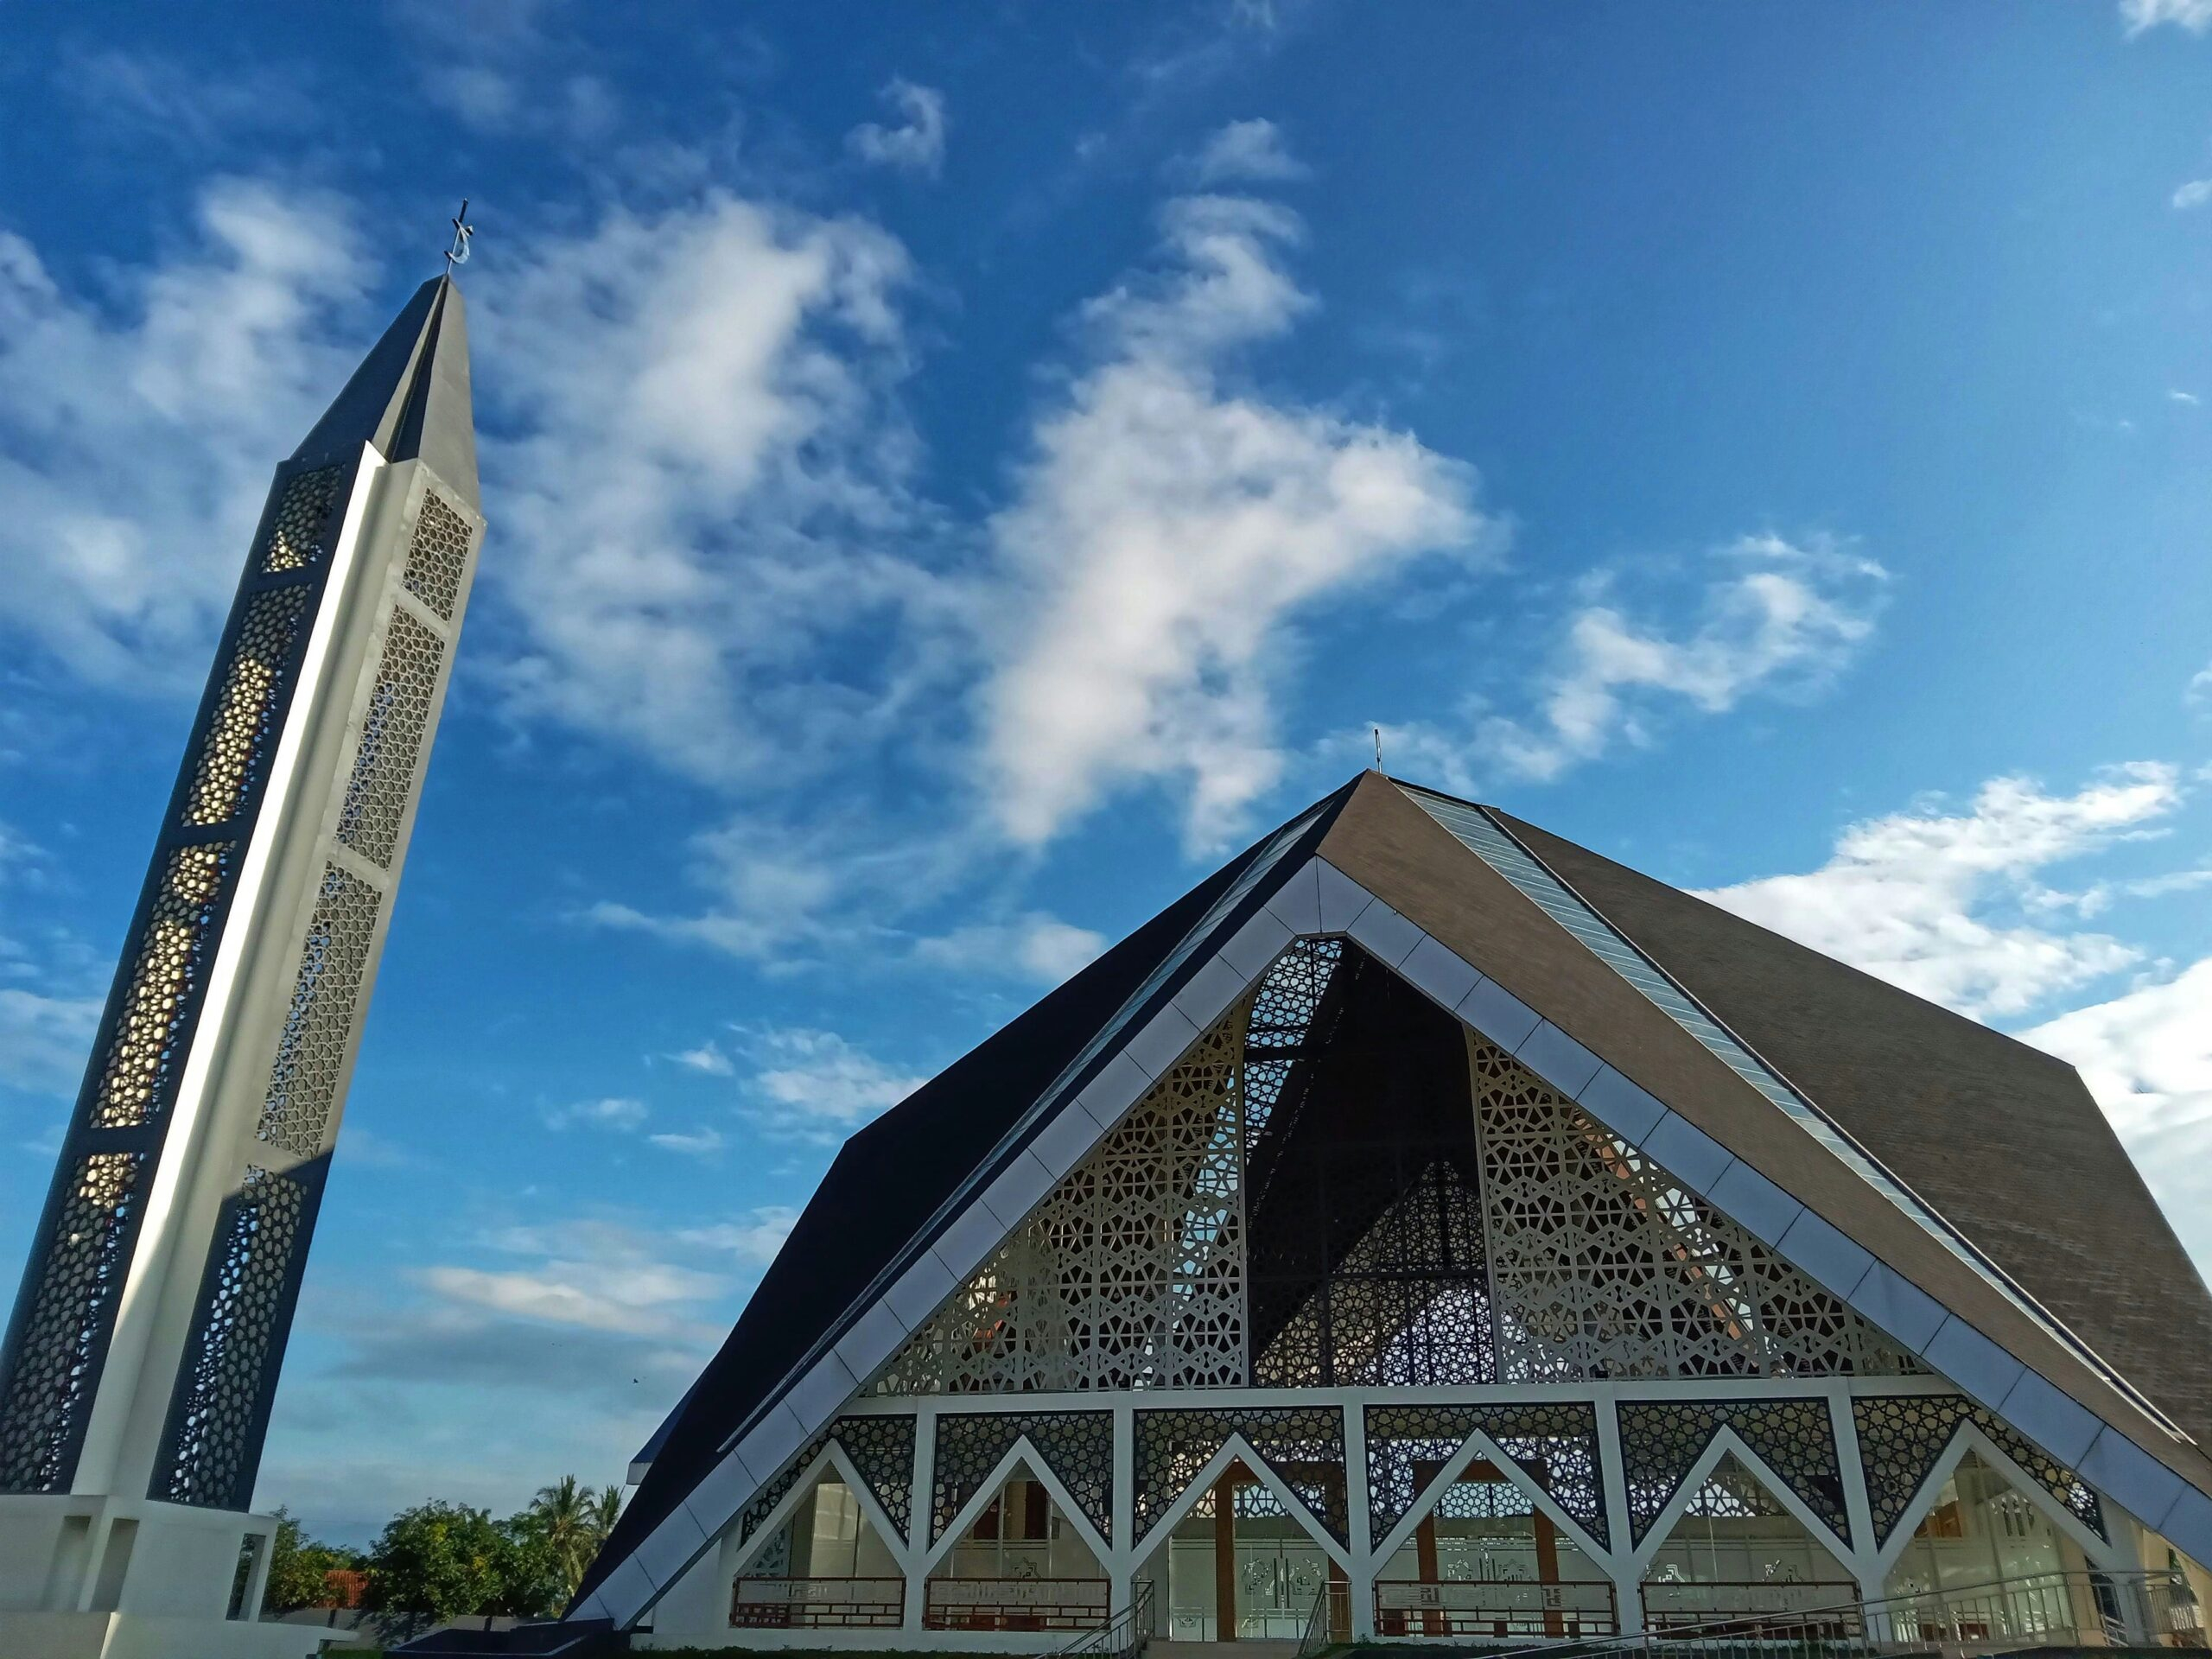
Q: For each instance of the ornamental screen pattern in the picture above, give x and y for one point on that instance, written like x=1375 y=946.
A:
x=1604 y=1266
x=1076 y=1446
x=244 y=723
x=1901 y=1437
x=437 y=558
x=1552 y=1445
x=1660 y=1440
x=311 y=1049
x=145 y=1048
x=383 y=778
x=210 y=1427
x=53 y=1373
x=1304 y=1446
x=881 y=1450
x=296 y=540
x=1130 y=1273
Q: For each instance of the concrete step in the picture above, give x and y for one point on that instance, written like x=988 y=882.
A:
x=1159 y=1648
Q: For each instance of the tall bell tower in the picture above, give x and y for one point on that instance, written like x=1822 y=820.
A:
x=142 y=1354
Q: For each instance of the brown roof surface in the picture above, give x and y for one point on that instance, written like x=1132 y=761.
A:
x=2002 y=1139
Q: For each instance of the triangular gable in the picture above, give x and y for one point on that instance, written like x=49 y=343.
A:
x=1076 y=1447
x=1453 y=926
x=1663 y=1442
x=1552 y=1445
x=1901 y=1437
x=879 y=1450
x=1614 y=1050
x=1177 y=1448
x=1944 y=1097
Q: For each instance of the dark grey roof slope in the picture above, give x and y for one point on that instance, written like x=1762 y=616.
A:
x=2001 y=1138
x=893 y=1178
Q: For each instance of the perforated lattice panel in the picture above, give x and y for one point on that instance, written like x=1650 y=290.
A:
x=214 y=1422
x=881 y=1450
x=437 y=558
x=1130 y=1273
x=311 y=1049
x=1553 y=1445
x=50 y=1388
x=1303 y=1444
x=243 y=727
x=382 y=780
x=138 y=1072
x=1662 y=1439
x=1076 y=1446
x=1604 y=1266
x=296 y=540
x=1902 y=1436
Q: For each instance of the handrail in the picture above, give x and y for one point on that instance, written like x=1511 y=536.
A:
x=1320 y=1633
x=1879 y=1619
x=1122 y=1634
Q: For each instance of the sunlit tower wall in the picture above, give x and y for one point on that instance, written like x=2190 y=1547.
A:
x=143 y=1350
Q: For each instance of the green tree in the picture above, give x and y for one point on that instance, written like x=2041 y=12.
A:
x=535 y=1583
x=299 y=1567
x=443 y=1559
x=562 y=1516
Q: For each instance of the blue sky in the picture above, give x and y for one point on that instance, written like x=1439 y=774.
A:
x=951 y=479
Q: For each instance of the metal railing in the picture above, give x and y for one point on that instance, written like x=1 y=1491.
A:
x=817 y=1603
x=2051 y=1610
x=1698 y=1604
x=1485 y=1607
x=1329 y=1621
x=1014 y=1603
x=1123 y=1633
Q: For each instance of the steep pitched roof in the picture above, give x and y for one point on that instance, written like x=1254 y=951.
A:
x=1599 y=1025
x=890 y=1183
x=1955 y=1105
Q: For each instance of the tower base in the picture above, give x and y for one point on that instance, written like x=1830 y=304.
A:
x=114 y=1577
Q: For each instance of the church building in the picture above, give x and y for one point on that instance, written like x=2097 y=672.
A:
x=1428 y=1230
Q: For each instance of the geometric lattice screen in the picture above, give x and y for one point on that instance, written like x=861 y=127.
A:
x=1076 y=1446
x=1552 y=1443
x=882 y=1452
x=1796 y=1438
x=1901 y=1437
x=212 y=1417
x=1341 y=1186
x=1302 y=1445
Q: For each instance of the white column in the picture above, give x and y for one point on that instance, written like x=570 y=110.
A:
x=913 y=1559
x=1621 y=1565
x=1361 y=1576
x=1121 y=1560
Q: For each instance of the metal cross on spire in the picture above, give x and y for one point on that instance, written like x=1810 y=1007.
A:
x=462 y=230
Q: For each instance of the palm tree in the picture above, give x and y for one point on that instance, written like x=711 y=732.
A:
x=606 y=1508
x=566 y=1516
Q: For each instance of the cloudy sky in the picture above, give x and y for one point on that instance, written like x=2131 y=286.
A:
x=952 y=479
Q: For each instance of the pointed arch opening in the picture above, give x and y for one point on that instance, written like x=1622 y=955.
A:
x=1741 y=1553
x=820 y=1558
x=1017 y=1558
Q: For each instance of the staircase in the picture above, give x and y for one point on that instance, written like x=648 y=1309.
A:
x=1160 y=1647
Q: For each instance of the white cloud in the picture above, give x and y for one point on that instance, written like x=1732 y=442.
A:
x=702 y=1142
x=2146 y=1055
x=610 y=1113
x=917 y=144
x=592 y=1274
x=754 y=1241
x=44 y=1040
x=2176 y=395
x=708 y=1057
x=2194 y=15
x=1781 y=618
x=1168 y=530
x=1935 y=902
x=2195 y=193
x=138 y=426
x=702 y=461
x=1245 y=151
x=1035 y=946
x=2197 y=694
x=815 y=1085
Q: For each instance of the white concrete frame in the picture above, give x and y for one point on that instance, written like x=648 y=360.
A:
x=1318 y=898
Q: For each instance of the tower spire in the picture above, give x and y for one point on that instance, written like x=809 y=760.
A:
x=142 y=1359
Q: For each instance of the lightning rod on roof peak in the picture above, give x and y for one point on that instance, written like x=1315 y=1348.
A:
x=462 y=230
